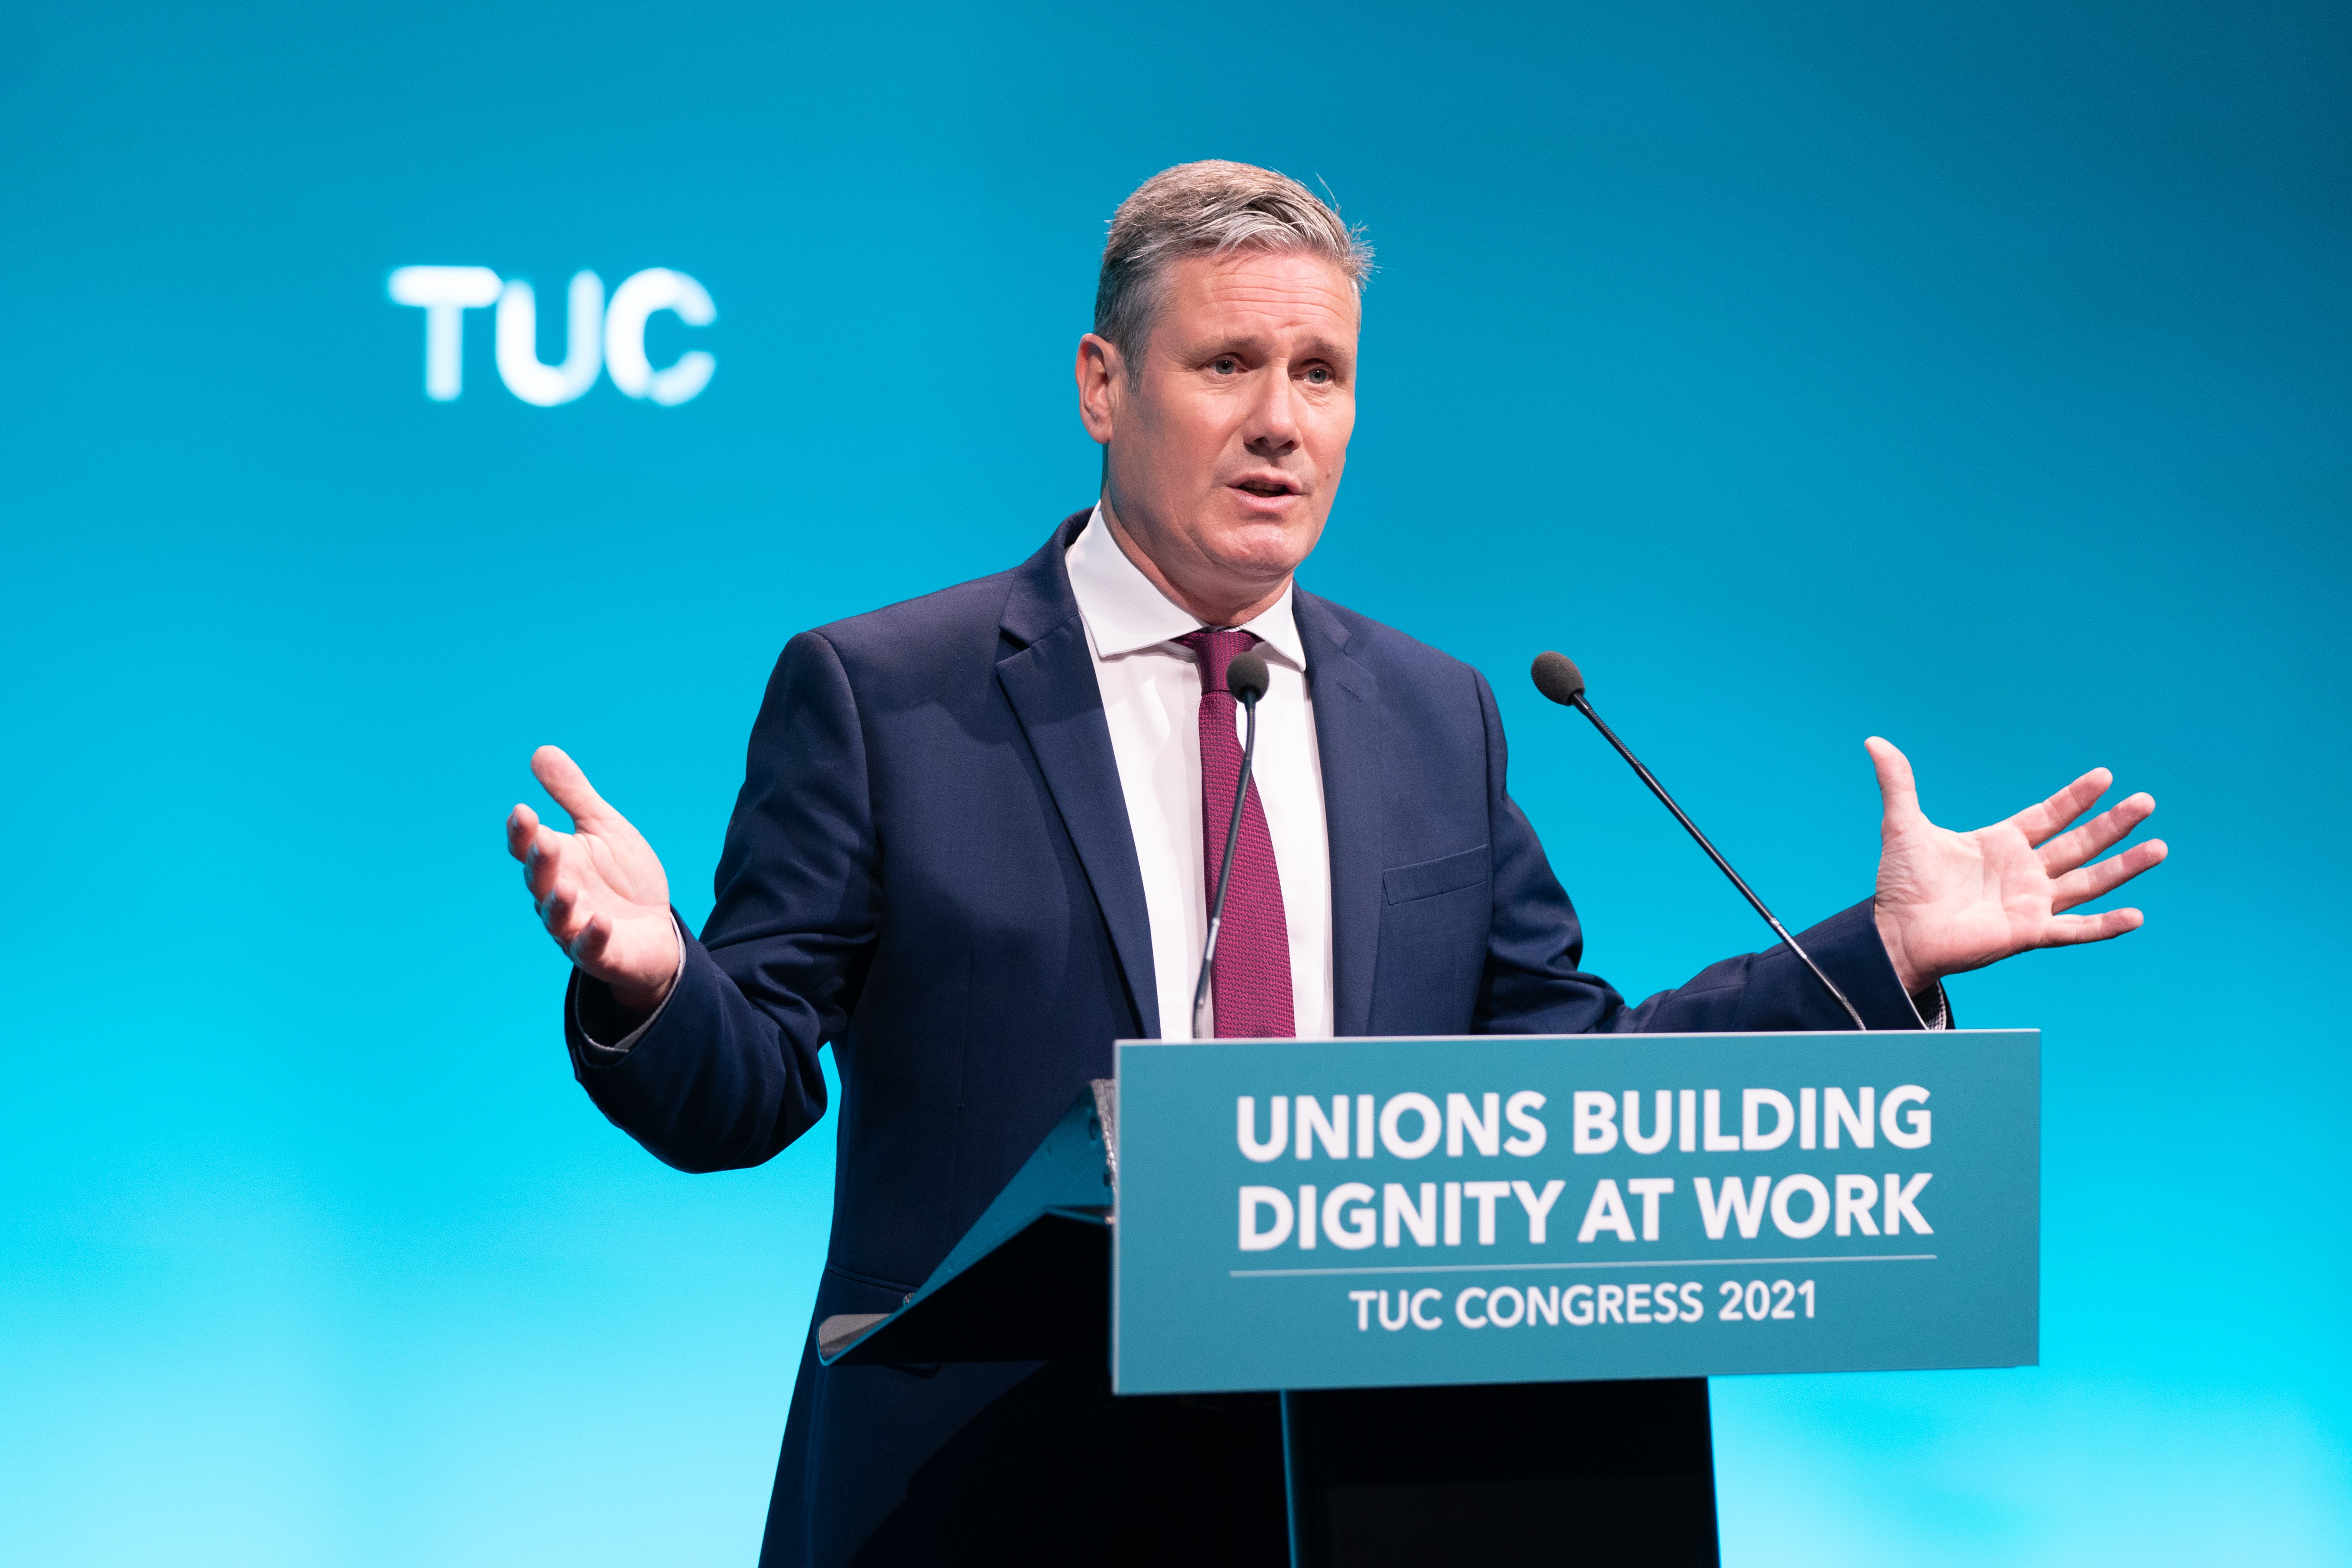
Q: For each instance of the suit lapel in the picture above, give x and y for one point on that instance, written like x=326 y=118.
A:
x=1347 y=737
x=1048 y=676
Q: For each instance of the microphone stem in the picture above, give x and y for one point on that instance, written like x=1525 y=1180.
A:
x=1713 y=854
x=1225 y=872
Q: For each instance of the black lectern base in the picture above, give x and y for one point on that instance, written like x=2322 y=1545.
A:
x=1588 y=1475
x=1615 y=1474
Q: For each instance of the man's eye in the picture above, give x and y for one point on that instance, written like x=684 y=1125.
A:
x=1225 y=365
x=1319 y=376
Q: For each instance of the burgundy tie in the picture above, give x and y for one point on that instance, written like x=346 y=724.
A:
x=1250 y=975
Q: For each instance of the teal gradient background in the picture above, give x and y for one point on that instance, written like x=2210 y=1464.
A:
x=1972 y=375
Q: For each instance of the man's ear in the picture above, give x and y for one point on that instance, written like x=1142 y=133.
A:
x=1102 y=377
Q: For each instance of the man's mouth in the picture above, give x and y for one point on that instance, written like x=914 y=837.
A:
x=1267 y=488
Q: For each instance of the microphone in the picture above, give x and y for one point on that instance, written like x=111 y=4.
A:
x=1246 y=678
x=1557 y=677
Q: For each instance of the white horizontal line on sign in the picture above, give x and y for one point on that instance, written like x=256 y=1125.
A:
x=1525 y=1267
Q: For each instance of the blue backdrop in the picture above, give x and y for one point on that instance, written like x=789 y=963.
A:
x=1973 y=375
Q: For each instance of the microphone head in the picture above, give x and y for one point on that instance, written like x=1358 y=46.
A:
x=1557 y=678
x=1245 y=677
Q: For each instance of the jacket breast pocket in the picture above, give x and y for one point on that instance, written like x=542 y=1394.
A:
x=1426 y=880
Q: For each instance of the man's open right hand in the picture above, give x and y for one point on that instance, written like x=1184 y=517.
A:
x=600 y=889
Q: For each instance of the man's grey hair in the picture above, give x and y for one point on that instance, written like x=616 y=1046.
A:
x=1210 y=208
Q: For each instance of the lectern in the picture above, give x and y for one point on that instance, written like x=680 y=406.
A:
x=1489 y=1276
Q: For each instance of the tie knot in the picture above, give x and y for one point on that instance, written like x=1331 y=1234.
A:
x=1216 y=649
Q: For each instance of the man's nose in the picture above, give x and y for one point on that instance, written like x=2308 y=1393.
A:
x=1272 y=428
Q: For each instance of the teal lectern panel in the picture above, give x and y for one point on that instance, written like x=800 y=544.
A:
x=1343 y=1214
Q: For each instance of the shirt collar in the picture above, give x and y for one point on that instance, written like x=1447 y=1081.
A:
x=1126 y=613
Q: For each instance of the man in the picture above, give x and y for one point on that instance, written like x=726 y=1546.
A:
x=975 y=843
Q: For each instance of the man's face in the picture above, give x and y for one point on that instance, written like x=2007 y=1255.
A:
x=1226 y=450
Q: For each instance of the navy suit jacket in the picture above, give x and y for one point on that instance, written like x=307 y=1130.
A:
x=929 y=866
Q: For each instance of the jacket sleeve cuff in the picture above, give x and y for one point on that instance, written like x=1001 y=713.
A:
x=595 y=1018
x=1848 y=948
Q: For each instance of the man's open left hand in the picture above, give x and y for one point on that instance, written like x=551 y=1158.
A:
x=1948 y=903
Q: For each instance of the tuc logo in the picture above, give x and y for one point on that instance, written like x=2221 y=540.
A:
x=598 y=333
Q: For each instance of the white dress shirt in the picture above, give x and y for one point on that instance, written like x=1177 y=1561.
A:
x=1151 y=699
